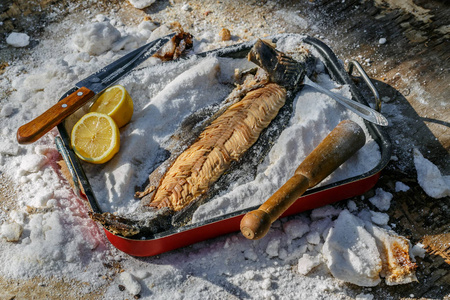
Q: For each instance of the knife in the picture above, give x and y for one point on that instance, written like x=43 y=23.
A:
x=85 y=90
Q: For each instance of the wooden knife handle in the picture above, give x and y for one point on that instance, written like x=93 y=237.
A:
x=340 y=144
x=36 y=128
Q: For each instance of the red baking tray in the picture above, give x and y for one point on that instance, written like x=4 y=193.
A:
x=312 y=198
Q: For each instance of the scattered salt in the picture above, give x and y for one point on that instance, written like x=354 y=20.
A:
x=430 y=178
x=382 y=199
x=18 y=40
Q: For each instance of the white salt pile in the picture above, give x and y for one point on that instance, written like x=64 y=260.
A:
x=17 y=39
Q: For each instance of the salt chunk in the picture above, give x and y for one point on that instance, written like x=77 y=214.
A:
x=295 y=228
x=379 y=218
x=17 y=216
x=33 y=162
x=401 y=187
x=273 y=247
x=7 y=110
x=382 y=199
x=186 y=7
x=363 y=296
x=313 y=237
x=18 y=40
x=382 y=41
x=307 y=263
x=130 y=283
x=96 y=38
x=351 y=253
x=430 y=178
x=159 y=32
x=11 y=231
x=418 y=250
x=324 y=211
x=351 y=205
x=140 y=4
x=320 y=225
x=9 y=148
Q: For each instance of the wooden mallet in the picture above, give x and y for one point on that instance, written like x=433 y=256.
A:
x=339 y=145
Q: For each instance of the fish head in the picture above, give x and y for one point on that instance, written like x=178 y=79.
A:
x=281 y=68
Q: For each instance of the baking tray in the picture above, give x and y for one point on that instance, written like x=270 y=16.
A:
x=312 y=198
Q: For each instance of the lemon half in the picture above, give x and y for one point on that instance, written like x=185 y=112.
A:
x=116 y=103
x=95 y=138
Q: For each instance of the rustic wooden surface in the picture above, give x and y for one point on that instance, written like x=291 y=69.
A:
x=411 y=70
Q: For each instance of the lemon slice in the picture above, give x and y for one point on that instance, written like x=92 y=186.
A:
x=95 y=138
x=116 y=103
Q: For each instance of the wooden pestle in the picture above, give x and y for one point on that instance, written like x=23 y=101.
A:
x=339 y=145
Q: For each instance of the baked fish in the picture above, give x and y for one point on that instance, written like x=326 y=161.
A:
x=232 y=139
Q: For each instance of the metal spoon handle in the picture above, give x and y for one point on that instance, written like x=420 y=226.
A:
x=361 y=110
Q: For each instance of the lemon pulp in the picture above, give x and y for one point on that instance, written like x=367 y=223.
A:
x=116 y=103
x=95 y=138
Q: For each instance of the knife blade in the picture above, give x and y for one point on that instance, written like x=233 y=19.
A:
x=85 y=90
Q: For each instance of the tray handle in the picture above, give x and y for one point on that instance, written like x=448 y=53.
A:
x=65 y=155
x=355 y=64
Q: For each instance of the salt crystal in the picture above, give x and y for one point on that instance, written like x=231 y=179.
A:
x=313 y=237
x=379 y=218
x=9 y=148
x=430 y=178
x=273 y=247
x=18 y=40
x=130 y=282
x=140 y=4
x=249 y=275
x=382 y=199
x=382 y=41
x=307 y=263
x=418 y=250
x=11 y=231
x=32 y=162
x=17 y=216
x=96 y=38
x=186 y=7
x=7 y=110
x=351 y=253
x=141 y=274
